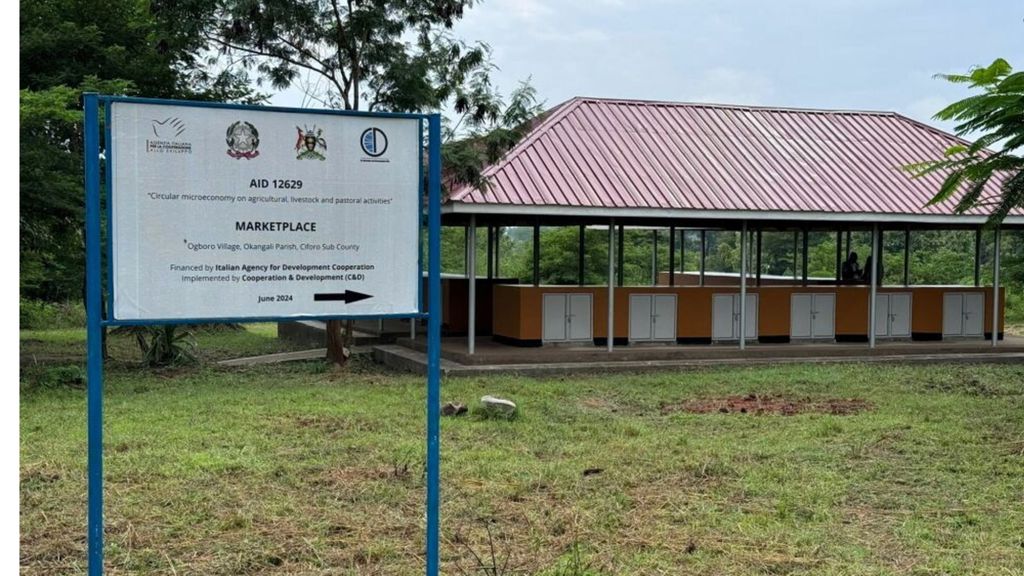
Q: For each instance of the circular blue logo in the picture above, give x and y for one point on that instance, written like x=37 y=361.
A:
x=374 y=141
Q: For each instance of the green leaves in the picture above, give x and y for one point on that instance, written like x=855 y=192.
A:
x=971 y=171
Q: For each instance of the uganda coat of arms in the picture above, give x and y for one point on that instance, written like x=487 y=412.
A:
x=243 y=140
x=305 y=146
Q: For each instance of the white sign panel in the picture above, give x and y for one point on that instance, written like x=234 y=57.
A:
x=243 y=213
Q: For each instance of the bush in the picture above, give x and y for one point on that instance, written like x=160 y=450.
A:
x=40 y=315
x=165 y=345
x=52 y=377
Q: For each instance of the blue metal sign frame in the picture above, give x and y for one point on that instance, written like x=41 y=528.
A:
x=97 y=319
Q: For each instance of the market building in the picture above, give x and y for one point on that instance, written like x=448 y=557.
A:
x=698 y=169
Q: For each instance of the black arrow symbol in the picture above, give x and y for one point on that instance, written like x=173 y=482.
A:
x=348 y=296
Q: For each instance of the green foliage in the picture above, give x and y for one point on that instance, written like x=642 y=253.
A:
x=74 y=46
x=166 y=345
x=478 y=138
x=52 y=377
x=997 y=114
x=394 y=56
x=41 y=315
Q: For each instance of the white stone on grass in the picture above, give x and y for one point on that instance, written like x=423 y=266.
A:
x=499 y=405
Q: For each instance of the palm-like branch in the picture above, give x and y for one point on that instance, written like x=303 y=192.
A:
x=971 y=169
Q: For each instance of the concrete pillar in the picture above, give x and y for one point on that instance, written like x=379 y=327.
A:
x=621 y=268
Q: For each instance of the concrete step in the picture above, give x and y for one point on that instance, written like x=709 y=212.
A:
x=408 y=360
x=314 y=354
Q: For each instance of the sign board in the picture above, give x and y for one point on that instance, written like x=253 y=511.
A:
x=221 y=212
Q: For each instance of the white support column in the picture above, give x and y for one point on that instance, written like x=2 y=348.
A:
x=611 y=284
x=743 y=286
x=471 y=276
x=995 y=290
x=873 y=298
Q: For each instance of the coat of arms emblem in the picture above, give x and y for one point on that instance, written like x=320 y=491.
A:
x=243 y=140
x=307 y=143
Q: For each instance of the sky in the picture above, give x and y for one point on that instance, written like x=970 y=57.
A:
x=836 y=54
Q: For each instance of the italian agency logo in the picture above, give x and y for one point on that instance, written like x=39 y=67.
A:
x=374 y=143
x=307 y=143
x=165 y=140
x=243 y=139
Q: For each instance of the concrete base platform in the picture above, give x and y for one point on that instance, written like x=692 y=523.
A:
x=494 y=358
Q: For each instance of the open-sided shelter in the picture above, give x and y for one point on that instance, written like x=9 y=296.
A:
x=698 y=167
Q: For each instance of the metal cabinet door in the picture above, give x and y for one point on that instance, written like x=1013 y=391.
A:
x=882 y=319
x=899 y=315
x=580 y=320
x=751 y=319
x=823 y=316
x=664 y=317
x=553 y=318
x=723 y=323
x=952 y=314
x=640 y=317
x=800 y=316
x=974 y=314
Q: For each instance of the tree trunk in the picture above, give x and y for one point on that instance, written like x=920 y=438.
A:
x=337 y=352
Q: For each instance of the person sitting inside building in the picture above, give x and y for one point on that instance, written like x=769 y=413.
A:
x=866 y=273
x=851 y=271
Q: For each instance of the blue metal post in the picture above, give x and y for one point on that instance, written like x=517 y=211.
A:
x=94 y=333
x=434 y=350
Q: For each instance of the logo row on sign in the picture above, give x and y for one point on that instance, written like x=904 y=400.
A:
x=243 y=141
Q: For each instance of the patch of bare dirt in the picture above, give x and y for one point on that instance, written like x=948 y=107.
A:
x=768 y=404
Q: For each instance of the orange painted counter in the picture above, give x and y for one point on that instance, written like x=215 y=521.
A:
x=517 y=310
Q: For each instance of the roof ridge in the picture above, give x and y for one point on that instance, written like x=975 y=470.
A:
x=559 y=113
x=646 y=102
x=939 y=131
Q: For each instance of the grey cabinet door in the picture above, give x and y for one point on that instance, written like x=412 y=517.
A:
x=882 y=315
x=823 y=316
x=899 y=315
x=664 y=317
x=553 y=321
x=580 y=320
x=751 y=316
x=952 y=314
x=974 y=314
x=800 y=315
x=723 y=317
x=640 y=311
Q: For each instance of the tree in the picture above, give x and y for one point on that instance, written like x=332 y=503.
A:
x=375 y=55
x=997 y=114
x=68 y=47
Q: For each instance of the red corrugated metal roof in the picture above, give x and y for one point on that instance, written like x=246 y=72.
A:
x=629 y=154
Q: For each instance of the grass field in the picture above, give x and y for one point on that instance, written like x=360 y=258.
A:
x=298 y=469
